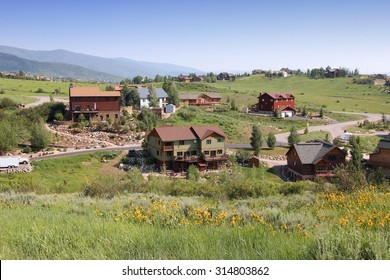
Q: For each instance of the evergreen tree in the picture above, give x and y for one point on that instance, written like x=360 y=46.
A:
x=321 y=112
x=271 y=140
x=256 y=139
x=293 y=138
x=172 y=91
x=356 y=152
x=152 y=97
x=304 y=111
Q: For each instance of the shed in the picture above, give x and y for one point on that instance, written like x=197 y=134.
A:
x=254 y=161
x=170 y=108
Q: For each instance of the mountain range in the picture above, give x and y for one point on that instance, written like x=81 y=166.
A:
x=63 y=63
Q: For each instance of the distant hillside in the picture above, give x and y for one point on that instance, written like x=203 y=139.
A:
x=13 y=63
x=122 y=67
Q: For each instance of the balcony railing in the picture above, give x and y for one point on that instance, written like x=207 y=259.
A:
x=215 y=157
x=168 y=148
x=187 y=158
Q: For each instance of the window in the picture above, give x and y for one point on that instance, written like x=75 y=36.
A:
x=157 y=152
x=158 y=142
x=206 y=153
x=181 y=142
x=208 y=142
x=169 y=154
x=179 y=154
x=116 y=116
x=193 y=153
x=332 y=157
x=220 y=140
x=219 y=152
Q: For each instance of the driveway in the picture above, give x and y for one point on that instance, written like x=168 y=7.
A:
x=44 y=99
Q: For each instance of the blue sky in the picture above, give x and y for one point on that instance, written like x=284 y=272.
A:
x=209 y=35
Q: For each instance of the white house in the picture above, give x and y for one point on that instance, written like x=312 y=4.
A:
x=161 y=96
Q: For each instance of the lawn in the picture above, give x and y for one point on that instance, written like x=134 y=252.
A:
x=22 y=90
x=59 y=175
x=237 y=125
x=338 y=94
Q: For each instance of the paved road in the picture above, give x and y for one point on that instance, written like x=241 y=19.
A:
x=335 y=130
x=44 y=99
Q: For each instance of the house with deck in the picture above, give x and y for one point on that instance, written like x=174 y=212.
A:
x=381 y=157
x=313 y=159
x=93 y=103
x=283 y=102
x=225 y=76
x=177 y=147
x=200 y=99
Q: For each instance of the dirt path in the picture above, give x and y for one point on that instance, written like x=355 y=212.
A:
x=43 y=99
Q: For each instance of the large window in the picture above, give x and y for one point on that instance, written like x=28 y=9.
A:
x=220 y=140
x=179 y=154
x=219 y=152
x=181 y=142
x=208 y=142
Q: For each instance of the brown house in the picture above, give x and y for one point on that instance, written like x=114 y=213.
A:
x=282 y=102
x=225 y=76
x=179 y=147
x=313 y=159
x=201 y=99
x=93 y=103
x=381 y=157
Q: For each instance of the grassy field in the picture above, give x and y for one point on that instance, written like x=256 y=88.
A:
x=334 y=94
x=66 y=174
x=237 y=126
x=301 y=226
x=22 y=90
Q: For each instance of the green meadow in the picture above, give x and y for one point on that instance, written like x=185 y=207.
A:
x=338 y=94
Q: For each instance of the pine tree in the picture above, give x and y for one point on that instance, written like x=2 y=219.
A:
x=356 y=152
x=293 y=138
x=271 y=140
x=321 y=112
x=256 y=139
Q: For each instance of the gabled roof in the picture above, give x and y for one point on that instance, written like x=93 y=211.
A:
x=286 y=108
x=312 y=151
x=277 y=95
x=177 y=133
x=195 y=96
x=144 y=92
x=174 y=133
x=204 y=131
x=384 y=144
x=91 y=92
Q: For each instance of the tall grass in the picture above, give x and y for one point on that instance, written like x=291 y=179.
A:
x=299 y=226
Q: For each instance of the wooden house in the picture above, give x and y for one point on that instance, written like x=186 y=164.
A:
x=201 y=99
x=313 y=159
x=282 y=102
x=179 y=147
x=225 y=76
x=381 y=157
x=93 y=103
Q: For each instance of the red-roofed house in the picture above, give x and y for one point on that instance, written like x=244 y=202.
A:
x=180 y=146
x=282 y=102
x=94 y=104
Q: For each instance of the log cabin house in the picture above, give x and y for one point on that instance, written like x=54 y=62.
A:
x=313 y=159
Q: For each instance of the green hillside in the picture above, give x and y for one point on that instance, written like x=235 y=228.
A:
x=334 y=94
